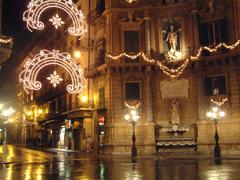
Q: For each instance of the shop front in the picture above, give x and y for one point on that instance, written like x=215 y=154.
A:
x=81 y=130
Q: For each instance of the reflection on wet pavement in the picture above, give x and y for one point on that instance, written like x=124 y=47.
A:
x=22 y=163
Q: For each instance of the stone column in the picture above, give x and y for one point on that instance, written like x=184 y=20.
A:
x=237 y=18
x=196 y=33
x=149 y=103
x=200 y=96
x=147 y=32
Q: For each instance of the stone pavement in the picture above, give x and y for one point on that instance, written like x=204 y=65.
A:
x=157 y=156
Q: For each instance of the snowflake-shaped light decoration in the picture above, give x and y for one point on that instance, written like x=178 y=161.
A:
x=56 y=21
x=37 y=7
x=52 y=58
x=54 y=79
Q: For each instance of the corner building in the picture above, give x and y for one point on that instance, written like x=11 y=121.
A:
x=124 y=27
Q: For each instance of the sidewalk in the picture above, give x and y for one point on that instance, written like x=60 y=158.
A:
x=51 y=149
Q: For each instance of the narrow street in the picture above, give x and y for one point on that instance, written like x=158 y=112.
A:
x=23 y=163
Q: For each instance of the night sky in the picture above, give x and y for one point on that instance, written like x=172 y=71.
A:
x=14 y=26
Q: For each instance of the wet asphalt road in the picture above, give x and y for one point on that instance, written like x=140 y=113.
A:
x=22 y=163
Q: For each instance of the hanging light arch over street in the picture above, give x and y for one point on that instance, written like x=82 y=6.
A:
x=48 y=58
x=37 y=7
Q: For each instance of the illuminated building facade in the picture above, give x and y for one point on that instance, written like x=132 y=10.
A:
x=173 y=111
x=173 y=101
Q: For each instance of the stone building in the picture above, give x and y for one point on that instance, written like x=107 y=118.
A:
x=172 y=110
x=52 y=117
x=173 y=99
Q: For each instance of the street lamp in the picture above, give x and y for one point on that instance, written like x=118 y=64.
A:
x=132 y=118
x=77 y=54
x=216 y=114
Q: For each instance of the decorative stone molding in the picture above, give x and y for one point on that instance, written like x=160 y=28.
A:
x=131 y=22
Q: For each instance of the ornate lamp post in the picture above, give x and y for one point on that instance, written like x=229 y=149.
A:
x=132 y=118
x=216 y=114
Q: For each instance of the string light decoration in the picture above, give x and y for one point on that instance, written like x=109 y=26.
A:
x=36 y=8
x=133 y=106
x=47 y=58
x=174 y=55
x=171 y=72
x=54 y=79
x=5 y=41
x=219 y=102
x=174 y=72
x=56 y=21
x=214 y=49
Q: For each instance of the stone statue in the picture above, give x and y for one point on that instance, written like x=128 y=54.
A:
x=172 y=38
x=130 y=16
x=211 y=5
x=174 y=109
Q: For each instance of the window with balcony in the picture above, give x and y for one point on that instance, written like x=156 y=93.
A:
x=216 y=85
x=213 y=32
x=131 y=43
x=132 y=91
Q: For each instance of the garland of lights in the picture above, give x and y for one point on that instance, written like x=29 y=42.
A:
x=171 y=72
x=214 y=49
x=133 y=106
x=5 y=41
x=37 y=7
x=174 y=72
x=219 y=102
x=46 y=58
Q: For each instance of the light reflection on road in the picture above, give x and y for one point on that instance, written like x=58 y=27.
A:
x=22 y=163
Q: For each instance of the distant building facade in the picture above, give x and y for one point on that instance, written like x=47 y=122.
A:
x=172 y=110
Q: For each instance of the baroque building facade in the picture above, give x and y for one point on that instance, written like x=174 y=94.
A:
x=172 y=109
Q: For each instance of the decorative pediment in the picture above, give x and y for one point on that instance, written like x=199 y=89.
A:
x=211 y=12
x=131 y=21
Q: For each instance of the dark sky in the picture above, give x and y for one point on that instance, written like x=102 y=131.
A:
x=14 y=26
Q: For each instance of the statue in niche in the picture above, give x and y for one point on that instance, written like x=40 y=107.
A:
x=172 y=38
x=211 y=5
x=174 y=109
x=172 y=35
